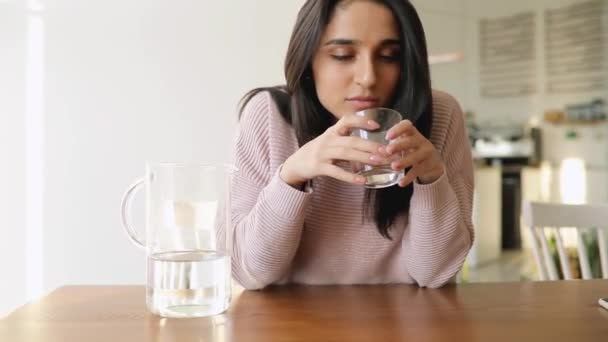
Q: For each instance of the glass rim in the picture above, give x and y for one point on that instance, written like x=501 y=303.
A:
x=379 y=109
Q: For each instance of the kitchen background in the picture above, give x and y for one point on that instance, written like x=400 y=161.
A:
x=91 y=90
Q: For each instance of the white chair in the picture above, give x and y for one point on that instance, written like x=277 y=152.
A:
x=543 y=217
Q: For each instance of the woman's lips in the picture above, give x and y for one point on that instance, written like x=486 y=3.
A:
x=361 y=103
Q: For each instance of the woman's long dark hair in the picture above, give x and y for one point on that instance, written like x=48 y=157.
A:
x=301 y=108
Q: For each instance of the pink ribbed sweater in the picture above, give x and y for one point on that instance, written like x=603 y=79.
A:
x=283 y=235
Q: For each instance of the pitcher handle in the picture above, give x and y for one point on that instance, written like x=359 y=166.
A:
x=125 y=212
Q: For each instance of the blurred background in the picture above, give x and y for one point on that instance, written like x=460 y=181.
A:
x=91 y=90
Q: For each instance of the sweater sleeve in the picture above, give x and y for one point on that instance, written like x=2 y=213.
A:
x=266 y=214
x=440 y=231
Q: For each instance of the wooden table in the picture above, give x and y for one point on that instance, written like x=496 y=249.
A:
x=527 y=311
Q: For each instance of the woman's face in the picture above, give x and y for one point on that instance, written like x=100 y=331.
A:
x=357 y=64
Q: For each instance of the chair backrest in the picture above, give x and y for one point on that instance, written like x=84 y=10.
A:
x=541 y=218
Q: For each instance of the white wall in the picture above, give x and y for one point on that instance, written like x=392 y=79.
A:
x=130 y=81
x=12 y=156
x=125 y=81
x=445 y=28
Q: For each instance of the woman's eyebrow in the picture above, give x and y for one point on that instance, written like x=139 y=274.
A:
x=345 y=41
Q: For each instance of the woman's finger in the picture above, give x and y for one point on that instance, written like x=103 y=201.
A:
x=409 y=177
x=411 y=159
x=343 y=175
x=349 y=122
x=358 y=144
x=349 y=154
x=404 y=127
x=405 y=143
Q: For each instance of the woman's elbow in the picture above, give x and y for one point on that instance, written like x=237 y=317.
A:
x=434 y=283
x=250 y=279
x=437 y=280
x=249 y=284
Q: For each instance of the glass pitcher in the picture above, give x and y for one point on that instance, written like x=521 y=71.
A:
x=188 y=250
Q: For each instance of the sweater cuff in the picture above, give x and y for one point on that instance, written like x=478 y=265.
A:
x=433 y=195
x=284 y=200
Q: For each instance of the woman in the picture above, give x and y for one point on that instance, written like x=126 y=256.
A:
x=298 y=215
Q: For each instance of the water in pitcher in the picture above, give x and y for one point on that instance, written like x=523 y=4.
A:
x=188 y=284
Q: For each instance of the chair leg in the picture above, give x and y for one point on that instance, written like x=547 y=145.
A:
x=601 y=238
x=537 y=254
x=563 y=256
x=583 y=256
x=551 y=268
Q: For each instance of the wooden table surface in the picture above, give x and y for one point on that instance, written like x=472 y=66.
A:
x=526 y=311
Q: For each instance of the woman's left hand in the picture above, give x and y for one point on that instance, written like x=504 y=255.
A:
x=415 y=151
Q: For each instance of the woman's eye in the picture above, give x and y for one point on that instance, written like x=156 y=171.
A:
x=390 y=58
x=342 y=57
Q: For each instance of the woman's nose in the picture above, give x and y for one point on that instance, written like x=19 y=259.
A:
x=365 y=73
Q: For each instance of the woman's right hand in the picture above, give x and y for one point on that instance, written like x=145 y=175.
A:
x=318 y=156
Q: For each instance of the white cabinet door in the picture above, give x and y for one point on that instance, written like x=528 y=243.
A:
x=487 y=204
